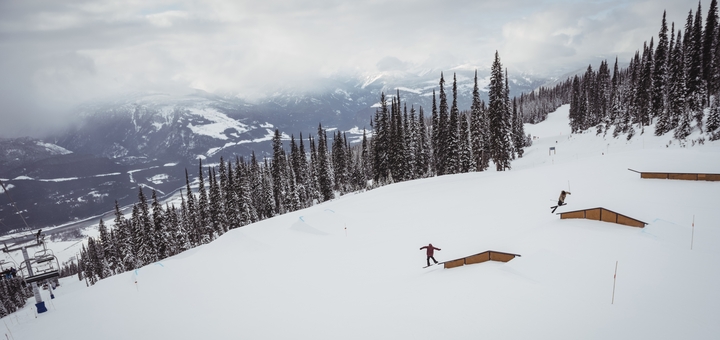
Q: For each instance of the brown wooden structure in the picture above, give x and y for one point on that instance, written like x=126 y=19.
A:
x=605 y=215
x=489 y=255
x=679 y=175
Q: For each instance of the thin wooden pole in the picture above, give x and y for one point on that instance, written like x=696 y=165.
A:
x=692 y=237
x=614 y=279
x=9 y=331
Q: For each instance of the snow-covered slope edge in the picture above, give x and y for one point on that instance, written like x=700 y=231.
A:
x=351 y=268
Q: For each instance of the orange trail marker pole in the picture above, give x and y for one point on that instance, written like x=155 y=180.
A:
x=692 y=237
x=614 y=279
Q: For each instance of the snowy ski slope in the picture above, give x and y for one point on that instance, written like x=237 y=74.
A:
x=352 y=269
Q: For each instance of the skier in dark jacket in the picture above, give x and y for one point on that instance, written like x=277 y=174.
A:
x=430 y=251
x=561 y=200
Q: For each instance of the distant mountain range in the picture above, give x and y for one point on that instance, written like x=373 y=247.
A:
x=148 y=139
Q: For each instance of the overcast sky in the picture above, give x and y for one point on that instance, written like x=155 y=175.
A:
x=55 y=54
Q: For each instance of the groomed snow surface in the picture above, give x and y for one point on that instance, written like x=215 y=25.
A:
x=352 y=269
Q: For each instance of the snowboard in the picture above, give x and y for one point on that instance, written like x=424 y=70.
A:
x=432 y=264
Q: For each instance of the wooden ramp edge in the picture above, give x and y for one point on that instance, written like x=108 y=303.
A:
x=604 y=215
x=689 y=176
x=488 y=255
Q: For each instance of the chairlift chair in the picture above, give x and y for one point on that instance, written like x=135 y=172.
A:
x=44 y=256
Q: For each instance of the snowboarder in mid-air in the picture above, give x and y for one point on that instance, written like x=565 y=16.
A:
x=430 y=251
x=561 y=200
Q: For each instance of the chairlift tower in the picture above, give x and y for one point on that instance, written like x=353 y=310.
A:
x=33 y=278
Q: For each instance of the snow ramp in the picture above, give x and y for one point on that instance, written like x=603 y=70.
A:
x=679 y=176
x=604 y=215
x=488 y=255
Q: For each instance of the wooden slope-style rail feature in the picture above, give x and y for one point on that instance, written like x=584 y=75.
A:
x=679 y=176
x=604 y=215
x=489 y=255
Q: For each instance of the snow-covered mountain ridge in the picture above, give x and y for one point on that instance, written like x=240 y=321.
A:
x=351 y=268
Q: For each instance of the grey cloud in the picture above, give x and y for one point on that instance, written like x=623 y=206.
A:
x=54 y=55
x=391 y=64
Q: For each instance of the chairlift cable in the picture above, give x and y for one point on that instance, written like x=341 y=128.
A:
x=13 y=204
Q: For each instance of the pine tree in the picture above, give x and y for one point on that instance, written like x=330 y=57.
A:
x=683 y=130
x=184 y=238
x=380 y=141
x=602 y=87
x=192 y=215
x=118 y=242
x=156 y=231
x=660 y=81
x=278 y=170
x=247 y=210
x=340 y=162
x=215 y=206
x=678 y=87
x=713 y=120
x=170 y=230
x=694 y=64
x=714 y=76
x=645 y=88
x=304 y=178
x=144 y=232
x=92 y=266
x=508 y=116
x=232 y=217
x=452 y=138
x=497 y=112
x=313 y=180
x=325 y=180
x=710 y=42
x=203 y=210
x=411 y=140
x=576 y=116
x=267 y=202
x=106 y=244
x=477 y=123
x=518 y=133
x=423 y=152
x=121 y=242
x=435 y=135
x=465 y=157
x=222 y=188
x=442 y=139
x=299 y=168
x=366 y=156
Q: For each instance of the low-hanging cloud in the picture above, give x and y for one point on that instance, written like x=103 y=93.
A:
x=54 y=55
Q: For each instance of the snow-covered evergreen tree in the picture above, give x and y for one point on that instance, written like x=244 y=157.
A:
x=500 y=148
x=452 y=135
x=441 y=152
x=325 y=179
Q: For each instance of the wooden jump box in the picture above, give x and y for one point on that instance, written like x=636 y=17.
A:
x=489 y=255
x=680 y=176
x=605 y=215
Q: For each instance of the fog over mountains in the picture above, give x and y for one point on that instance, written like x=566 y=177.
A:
x=148 y=139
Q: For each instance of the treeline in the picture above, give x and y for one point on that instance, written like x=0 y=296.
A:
x=405 y=145
x=675 y=85
x=536 y=105
x=13 y=295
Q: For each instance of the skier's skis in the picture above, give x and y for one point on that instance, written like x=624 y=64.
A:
x=556 y=206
